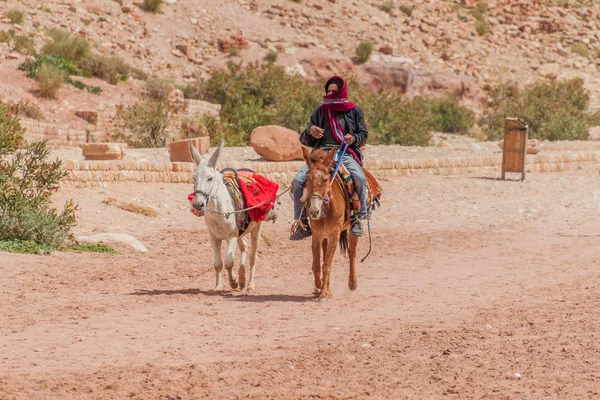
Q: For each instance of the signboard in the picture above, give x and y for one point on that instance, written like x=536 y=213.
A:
x=515 y=147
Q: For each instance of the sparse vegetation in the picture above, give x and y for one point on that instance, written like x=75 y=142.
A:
x=159 y=89
x=406 y=10
x=5 y=37
x=111 y=69
x=50 y=79
x=61 y=43
x=24 y=45
x=147 y=123
x=580 y=49
x=553 y=109
x=29 y=110
x=15 y=16
x=363 y=51
x=272 y=56
x=233 y=51
x=154 y=6
x=387 y=7
x=27 y=182
x=481 y=27
x=32 y=69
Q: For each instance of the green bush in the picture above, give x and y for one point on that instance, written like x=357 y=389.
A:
x=32 y=69
x=50 y=79
x=391 y=117
x=15 y=16
x=24 y=45
x=257 y=95
x=11 y=132
x=553 y=109
x=159 y=89
x=446 y=115
x=61 y=43
x=27 y=182
x=153 y=5
x=264 y=94
x=146 y=123
x=111 y=69
x=363 y=51
x=272 y=56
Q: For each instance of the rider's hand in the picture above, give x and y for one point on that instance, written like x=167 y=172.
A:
x=349 y=138
x=316 y=132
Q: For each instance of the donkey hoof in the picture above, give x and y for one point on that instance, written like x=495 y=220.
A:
x=217 y=289
x=317 y=292
x=233 y=284
x=352 y=286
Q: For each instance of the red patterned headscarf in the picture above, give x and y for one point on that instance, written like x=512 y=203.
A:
x=337 y=101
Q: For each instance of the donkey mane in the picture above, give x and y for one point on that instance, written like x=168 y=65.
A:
x=317 y=158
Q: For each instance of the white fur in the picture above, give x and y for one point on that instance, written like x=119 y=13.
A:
x=222 y=225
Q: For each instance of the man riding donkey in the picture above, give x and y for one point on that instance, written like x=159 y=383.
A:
x=333 y=123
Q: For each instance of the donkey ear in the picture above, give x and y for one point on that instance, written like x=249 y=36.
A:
x=212 y=162
x=195 y=154
x=306 y=155
x=328 y=161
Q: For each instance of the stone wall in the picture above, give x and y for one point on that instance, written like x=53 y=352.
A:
x=99 y=173
x=97 y=125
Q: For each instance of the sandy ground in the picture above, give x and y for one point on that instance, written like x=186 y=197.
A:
x=476 y=288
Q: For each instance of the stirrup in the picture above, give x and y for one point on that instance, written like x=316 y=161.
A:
x=356 y=228
x=299 y=233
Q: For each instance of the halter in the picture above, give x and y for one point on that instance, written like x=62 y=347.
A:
x=209 y=194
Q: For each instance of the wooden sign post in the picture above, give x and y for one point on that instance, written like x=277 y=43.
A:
x=515 y=147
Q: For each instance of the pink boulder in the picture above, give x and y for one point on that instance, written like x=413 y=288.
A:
x=276 y=143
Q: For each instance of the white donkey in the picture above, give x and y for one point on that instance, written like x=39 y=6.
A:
x=213 y=199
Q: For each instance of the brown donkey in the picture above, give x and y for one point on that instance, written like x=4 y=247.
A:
x=327 y=207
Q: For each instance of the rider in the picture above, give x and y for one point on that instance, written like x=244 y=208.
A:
x=330 y=123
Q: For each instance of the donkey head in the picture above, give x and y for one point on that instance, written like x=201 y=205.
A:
x=318 y=179
x=206 y=177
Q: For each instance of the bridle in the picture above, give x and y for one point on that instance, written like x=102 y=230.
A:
x=209 y=194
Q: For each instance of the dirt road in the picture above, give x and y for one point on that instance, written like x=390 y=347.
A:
x=476 y=288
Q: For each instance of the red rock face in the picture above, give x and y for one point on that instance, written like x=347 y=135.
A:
x=276 y=143
x=179 y=151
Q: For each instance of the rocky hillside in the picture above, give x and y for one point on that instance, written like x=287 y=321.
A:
x=418 y=45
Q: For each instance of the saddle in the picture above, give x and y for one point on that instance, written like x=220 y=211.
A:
x=345 y=182
x=247 y=189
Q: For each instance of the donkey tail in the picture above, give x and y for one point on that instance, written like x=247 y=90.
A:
x=344 y=241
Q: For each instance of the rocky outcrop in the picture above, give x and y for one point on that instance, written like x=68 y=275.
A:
x=276 y=143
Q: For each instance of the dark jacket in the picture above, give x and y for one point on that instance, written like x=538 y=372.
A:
x=355 y=121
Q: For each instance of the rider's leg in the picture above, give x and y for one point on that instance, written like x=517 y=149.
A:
x=298 y=190
x=359 y=179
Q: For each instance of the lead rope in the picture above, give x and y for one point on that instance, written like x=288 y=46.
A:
x=368 y=228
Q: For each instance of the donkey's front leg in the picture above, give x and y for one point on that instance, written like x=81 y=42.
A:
x=332 y=241
x=243 y=246
x=216 y=246
x=229 y=261
x=316 y=265
x=254 y=240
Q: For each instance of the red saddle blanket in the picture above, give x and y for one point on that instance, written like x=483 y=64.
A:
x=257 y=191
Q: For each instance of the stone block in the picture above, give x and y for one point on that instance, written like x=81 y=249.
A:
x=179 y=151
x=103 y=151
